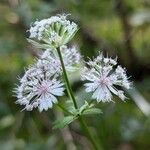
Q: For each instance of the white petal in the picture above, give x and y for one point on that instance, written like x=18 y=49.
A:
x=121 y=95
x=57 y=91
x=44 y=104
x=102 y=94
x=53 y=99
x=113 y=90
x=90 y=86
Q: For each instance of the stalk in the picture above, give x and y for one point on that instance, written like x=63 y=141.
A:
x=69 y=89
x=88 y=133
x=70 y=93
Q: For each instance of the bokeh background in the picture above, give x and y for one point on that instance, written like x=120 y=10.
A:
x=116 y=27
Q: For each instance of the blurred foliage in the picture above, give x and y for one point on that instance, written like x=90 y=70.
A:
x=103 y=26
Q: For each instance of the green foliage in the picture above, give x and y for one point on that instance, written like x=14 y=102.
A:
x=92 y=111
x=88 y=109
x=85 y=109
x=61 y=123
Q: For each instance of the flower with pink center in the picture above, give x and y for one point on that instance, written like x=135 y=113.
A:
x=103 y=78
x=39 y=89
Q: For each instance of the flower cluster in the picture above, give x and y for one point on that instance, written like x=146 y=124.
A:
x=103 y=78
x=55 y=31
x=38 y=88
x=41 y=84
x=71 y=58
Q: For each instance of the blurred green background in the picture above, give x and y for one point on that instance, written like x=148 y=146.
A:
x=117 y=27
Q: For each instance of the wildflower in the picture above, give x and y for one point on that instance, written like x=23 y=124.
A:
x=55 y=31
x=38 y=89
x=104 y=77
x=71 y=58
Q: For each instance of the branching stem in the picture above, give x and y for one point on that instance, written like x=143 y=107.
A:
x=71 y=95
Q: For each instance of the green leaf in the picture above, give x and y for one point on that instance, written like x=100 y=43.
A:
x=63 y=122
x=83 y=107
x=92 y=111
x=70 y=106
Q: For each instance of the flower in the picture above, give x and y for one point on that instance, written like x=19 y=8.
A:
x=104 y=77
x=71 y=58
x=55 y=31
x=38 y=88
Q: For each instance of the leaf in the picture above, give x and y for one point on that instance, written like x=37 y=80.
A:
x=92 y=111
x=84 y=107
x=63 y=122
x=70 y=107
x=69 y=104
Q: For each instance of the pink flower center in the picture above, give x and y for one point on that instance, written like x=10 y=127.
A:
x=103 y=80
x=43 y=88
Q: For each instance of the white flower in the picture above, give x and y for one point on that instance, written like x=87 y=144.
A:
x=103 y=78
x=71 y=58
x=55 y=31
x=38 y=88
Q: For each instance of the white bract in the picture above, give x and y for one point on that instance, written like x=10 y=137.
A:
x=55 y=31
x=71 y=58
x=103 y=77
x=38 y=88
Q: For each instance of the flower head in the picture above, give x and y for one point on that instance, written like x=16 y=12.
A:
x=55 y=31
x=38 y=88
x=104 y=77
x=71 y=58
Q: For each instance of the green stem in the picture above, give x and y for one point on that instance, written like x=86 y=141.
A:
x=88 y=133
x=69 y=89
x=70 y=93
